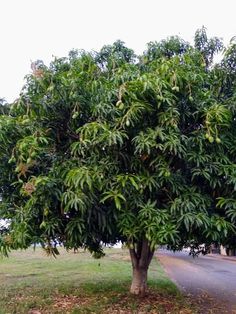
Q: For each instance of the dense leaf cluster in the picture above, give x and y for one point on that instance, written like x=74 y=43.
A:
x=106 y=147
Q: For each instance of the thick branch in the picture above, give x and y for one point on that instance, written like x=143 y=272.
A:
x=143 y=263
x=134 y=258
x=141 y=255
x=151 y=253
x=139 y=249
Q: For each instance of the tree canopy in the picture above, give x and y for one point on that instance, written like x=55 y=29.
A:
x=109 y=146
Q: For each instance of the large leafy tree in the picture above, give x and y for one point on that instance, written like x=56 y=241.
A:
x=106 y=147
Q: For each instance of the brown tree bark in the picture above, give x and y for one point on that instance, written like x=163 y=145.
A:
x=141 y=256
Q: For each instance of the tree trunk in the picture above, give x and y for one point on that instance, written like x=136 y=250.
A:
x=139 y=281
x=141 y=256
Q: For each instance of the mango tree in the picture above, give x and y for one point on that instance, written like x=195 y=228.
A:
x=109 y=146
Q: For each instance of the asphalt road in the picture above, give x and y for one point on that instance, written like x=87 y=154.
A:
x=208 y=278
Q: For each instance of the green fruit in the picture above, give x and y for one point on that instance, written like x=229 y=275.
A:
x=11 y=160
x=211 y=139
x=218 y=140
x=46 y=211
x=24 y=146
x=33 y=154
x=159 y=97
x=207 y=135
x=118 y=103
x=121 y=106
x=42 y=225
x=175 y=88
x=127 y=123
x=25 y=121
x=190 y=98
x=167 y=174
x=75 y=115
x=28 y=161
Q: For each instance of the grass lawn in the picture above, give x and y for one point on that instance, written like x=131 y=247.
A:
x=76 y=283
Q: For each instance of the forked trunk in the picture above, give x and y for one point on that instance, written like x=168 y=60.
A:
x=141 y=256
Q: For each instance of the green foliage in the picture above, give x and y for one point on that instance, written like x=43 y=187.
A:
x=207 y=47
x=106 y=147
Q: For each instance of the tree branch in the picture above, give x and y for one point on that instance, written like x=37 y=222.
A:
x=143 y=263
x=134 y=258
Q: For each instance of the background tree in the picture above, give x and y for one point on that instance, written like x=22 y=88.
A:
x=106 y=147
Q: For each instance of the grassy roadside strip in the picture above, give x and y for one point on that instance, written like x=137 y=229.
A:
x=76 y=283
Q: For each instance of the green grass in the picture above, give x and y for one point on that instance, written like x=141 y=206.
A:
x=76 y=283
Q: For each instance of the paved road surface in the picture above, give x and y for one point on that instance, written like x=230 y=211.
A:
x=204 y=275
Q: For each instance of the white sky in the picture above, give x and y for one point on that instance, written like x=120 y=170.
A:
x=40 y=29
